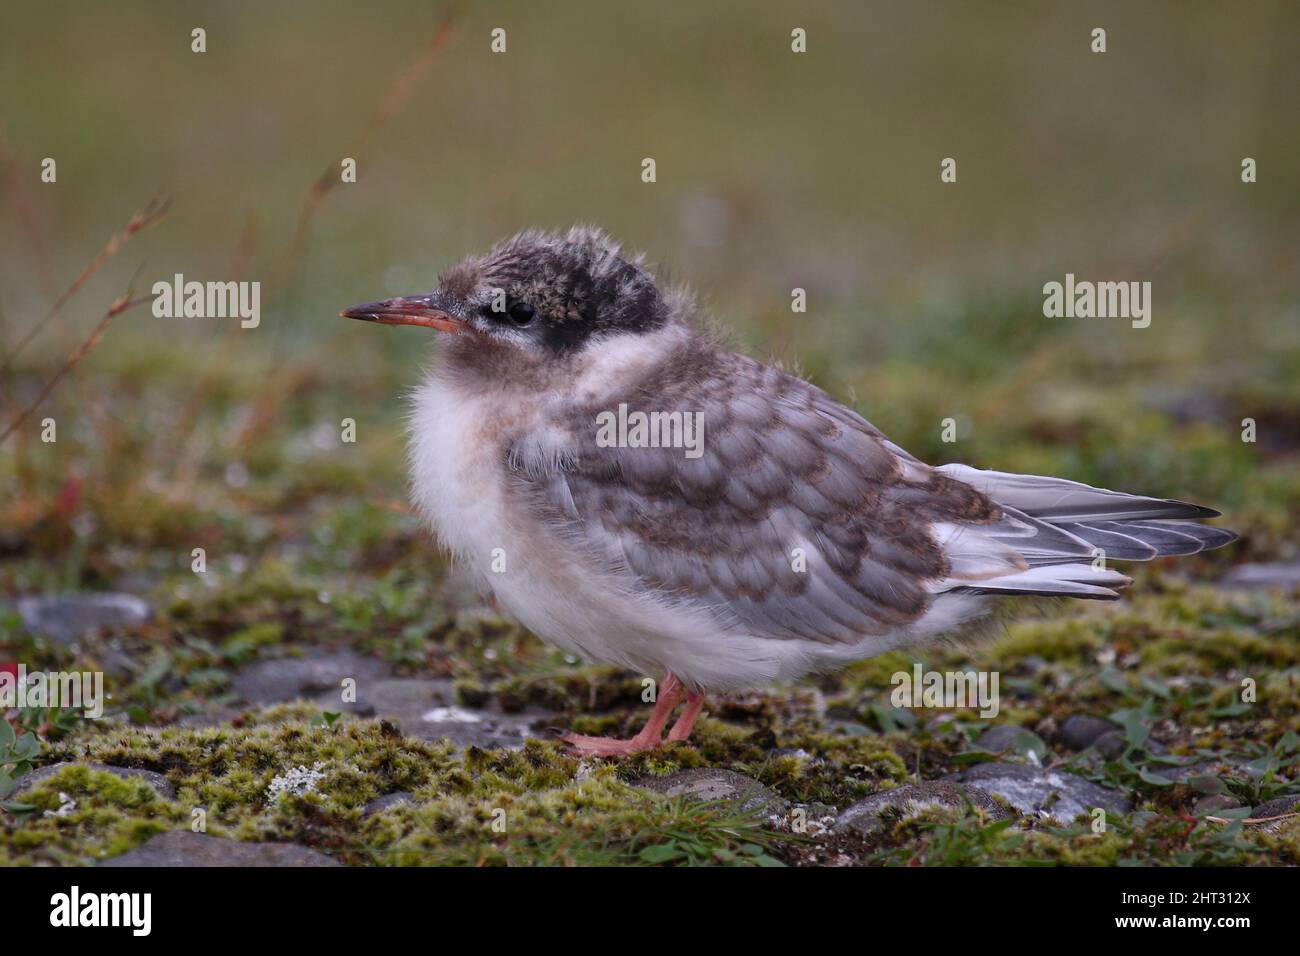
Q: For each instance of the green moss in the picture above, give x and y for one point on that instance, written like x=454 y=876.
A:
x=111 y=815
x=536 y=805
x=1066 y=639
x=585 y=689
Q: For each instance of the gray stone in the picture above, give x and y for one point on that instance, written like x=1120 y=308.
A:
x=1277 y=807
x=1283 y=577
x=1041 y=791
x=1081 y=731
x=1182 y=774
x=284 y=679
x=1000 y=738
x=65 y=617
x=715 y=785
x=909 y=800
x=380 y=804
x=184 y=848
x=818 y=819
x=427 y=709
x=214 y=716
x=160 y=784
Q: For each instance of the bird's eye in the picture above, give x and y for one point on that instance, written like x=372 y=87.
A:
x=521 y=313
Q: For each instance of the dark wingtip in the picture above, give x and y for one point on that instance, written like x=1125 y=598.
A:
x=1230 y=537
x=1192 y=510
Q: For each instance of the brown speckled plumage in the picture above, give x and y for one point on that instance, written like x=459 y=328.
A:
x=799 y=537
x=787 y=467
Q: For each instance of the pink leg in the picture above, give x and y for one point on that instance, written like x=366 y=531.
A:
x=686 y=722
x=651 y=735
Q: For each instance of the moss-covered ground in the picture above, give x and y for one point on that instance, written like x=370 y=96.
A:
x=304 y=559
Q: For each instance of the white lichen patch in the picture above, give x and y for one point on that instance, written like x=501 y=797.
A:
x=66 y=806
x=451 y=715
x=298 y=781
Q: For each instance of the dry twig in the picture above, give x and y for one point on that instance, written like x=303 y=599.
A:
x=146 y=217
x=122 y=304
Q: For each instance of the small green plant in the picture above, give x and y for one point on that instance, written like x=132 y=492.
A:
x=690 y=833
x=16 y=755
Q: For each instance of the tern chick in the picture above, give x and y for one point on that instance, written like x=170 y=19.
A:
x=792 y=536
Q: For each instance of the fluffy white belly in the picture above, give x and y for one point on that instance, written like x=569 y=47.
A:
x=555 y=589
x=459 y=482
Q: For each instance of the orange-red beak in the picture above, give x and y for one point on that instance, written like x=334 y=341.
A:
x=432 y=311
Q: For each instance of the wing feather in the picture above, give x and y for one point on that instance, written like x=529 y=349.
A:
x=798 y=520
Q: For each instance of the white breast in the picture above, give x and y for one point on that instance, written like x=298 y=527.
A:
x=458 y=445
x=455 y=479
x=549 y=582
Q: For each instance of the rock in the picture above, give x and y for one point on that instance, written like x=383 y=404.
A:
x=1081 y=731
x=214 y=716
x=183 y=848
x=284 y=679
x=911 y=799
x=1040 y=791
x=380 y=804
x=427 y=709
x=1000 y=738
x=716 y=786
x=65 y=617
x=1276 y=807
x=1183 y=774
x=160 y=784
x=817 y=819
x=1283 y=576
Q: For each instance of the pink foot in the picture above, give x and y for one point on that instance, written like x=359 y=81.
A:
x=650 y=737
x=690 y=713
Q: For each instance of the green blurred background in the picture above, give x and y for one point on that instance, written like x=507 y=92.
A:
x=775 y=170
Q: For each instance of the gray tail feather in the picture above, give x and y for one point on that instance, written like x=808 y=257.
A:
x=1057 y=524
x=1144 y=540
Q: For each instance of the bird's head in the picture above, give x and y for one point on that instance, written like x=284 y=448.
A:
x=539 y=295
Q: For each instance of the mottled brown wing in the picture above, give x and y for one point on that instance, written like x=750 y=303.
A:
x=785 y=471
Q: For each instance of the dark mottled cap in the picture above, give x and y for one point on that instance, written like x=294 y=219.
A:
x=558 y=288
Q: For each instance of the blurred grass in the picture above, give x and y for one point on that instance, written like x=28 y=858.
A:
x=775 y=171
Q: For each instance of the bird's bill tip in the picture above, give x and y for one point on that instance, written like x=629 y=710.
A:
x=421 y=310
